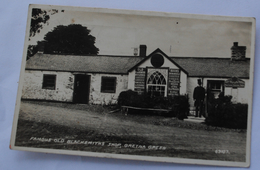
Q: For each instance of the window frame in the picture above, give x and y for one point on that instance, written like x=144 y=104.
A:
x=214 y=90
x=217 y=83
x=152 y=84
x=152 y=92
x=103 y=79
x=45 y=84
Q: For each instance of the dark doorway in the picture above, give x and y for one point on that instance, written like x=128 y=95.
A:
x=81 y=88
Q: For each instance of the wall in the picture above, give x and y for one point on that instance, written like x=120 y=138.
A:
x=131 y=80
x=183 y=84
x=167 y=63
x=243 y=94
x=98 y=97
x=191 y=84
x=32 y=86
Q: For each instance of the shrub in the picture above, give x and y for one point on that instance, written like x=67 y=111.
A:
x=127 y=98
x=181 y=107
x=178 y=105
x=222 y=112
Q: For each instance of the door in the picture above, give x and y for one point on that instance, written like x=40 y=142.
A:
x=81 y=88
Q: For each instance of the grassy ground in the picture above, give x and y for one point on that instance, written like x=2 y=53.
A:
x=58 y=125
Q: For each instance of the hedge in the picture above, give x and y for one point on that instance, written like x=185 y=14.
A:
x=223 y=113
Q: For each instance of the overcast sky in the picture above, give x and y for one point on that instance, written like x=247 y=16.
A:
x=119 y=34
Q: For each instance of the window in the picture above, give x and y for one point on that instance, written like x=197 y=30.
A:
x=108 y=84
x=215 y=87
x=156 y=84
x=49 y=81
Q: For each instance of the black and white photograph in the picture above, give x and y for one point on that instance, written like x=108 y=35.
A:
x=138 y=85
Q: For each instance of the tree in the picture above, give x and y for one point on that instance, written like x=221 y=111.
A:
x=71 y=39
x=38 y=19
x=31 y=50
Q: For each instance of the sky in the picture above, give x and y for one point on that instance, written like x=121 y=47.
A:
x=119 y=34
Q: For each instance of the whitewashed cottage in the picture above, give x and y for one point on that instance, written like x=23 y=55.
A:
x=100 y=79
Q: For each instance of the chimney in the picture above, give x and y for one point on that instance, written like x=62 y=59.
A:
x=142 y=51
x=40 y=47
x=238 y=52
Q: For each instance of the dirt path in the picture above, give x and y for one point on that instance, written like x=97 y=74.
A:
x=177 y=140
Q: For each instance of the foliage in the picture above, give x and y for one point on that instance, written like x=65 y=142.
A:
x=71 y=39
x=126 y=98
x=178 y=105
x=31 y=50
x=223 y=113
x=181 y=107
x=38 y=19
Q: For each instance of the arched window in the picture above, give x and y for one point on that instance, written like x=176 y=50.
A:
x=156 y=84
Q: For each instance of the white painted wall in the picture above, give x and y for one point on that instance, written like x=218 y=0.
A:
x=183 y=84
x=32 y=86
x=167 y=63
x=191 y=84
x=98 y=97
x=131 y=80
x=243 y=94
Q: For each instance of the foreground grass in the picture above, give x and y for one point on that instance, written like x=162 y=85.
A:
x=78 y=127
x=43 y=135
x=137 y=116
x=110 y=144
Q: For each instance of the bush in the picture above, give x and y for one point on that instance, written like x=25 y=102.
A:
x=178 y=104
x=181 y=107
x=222 y=112
x=127 y=98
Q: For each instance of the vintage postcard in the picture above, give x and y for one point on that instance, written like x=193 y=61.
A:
x=136 y=85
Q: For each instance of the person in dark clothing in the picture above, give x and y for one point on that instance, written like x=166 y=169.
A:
x=198 y=96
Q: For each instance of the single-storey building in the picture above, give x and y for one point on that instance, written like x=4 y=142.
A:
x=100 y=79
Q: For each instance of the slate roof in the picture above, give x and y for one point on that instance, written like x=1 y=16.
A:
x=74 y=63
x=214 y=67
x=195 y=67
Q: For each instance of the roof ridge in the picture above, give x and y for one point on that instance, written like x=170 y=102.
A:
x=201 y=57
x=206 y=58
x=88 y=55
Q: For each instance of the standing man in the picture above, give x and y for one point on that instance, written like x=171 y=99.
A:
x=198 y=96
